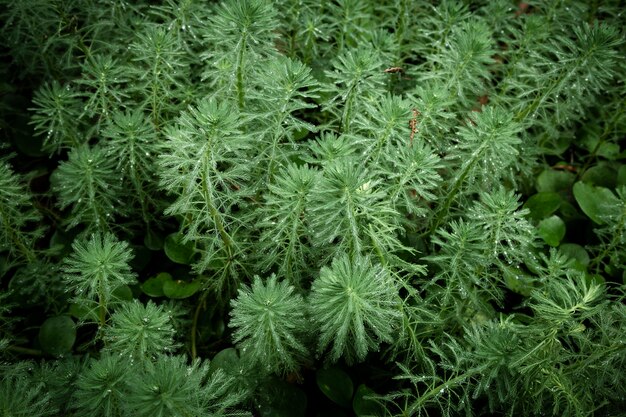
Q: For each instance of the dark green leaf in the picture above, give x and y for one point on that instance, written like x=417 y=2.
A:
x=601 y=175
x=365 y=407
x=123 y=293
x=181 y=289
x=280 y=399
x=598 y=203
x=552 y=230
x=542 y=205
x=177 y=251
x=153 y=240
x=57 y=335
x=154 y=285
x=578 y=253
x=621 y=175
x=554 y=181
x=336 y=385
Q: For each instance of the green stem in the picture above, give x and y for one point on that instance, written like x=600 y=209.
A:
x=454 y=189
x=240 y=63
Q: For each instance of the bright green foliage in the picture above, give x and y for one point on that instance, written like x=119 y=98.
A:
x=269 y=320
x=171 y=387
x=139 y=331
x=356 y=306
x=56 y=116
x=348 y=206
x=101 y=80
x=112 y=386
x=287 y=88
x=20 y=397
x=240 y=34
x=434 y=188
x=283 y=224
x=95 y=269
x=101 y=389
x=356 y=78
x=463 y=64
x=89 y=184
x=507 y=234
x=133 y=141
x=17 y=216
x=157 y=72
x=209 y=148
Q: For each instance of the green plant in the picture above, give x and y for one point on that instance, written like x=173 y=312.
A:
x=206 y=206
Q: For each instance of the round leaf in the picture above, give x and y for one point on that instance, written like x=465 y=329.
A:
x=598 y=203
x=280 y=399
x=57 y=335
x=123 y=293
x=363 y=406
x=554 y=181
x=578 y=253
x=154 y=285
x=227 y=360
x=542 y=205
x=153 y=241
x=181 y=289
x=336 y=385
x=177 y=251
x=552 y=230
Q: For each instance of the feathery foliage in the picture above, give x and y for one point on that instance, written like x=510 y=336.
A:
x=418 y=205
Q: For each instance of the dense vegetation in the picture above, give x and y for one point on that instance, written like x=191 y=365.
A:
x=301 y=207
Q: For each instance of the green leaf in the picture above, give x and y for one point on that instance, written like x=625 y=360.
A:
x=518 y=281
x=365 y=407
x=621 y=176
x=336 y=385
x=181 y=289
x=177 y=251
x=280 y=399
x=578 y=253
x=554 y=181
x=542 y=205
x=601 y=175
x=226 y=360
x=57 y=335
x=552 y=230
x=598 y=203
x=608 y=150
x=123 y=293
x=154 y=285
x=153 y=240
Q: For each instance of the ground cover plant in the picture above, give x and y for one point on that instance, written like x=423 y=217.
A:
x=312 y=208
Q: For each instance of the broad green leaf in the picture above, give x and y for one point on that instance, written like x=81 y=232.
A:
x=227 y=360
x=57 y=335
x=600 y=175
x=336 y=385
x=280 y=399
x=154 y=285
x=177 y=251
x=123 y=293
x=365 y=407
x=153 y=240
x=181 y=289
x=576 y=252
x=552 y=230
x=598 y=203
x=518 y=281
x=542 y=205
x=554 y=181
